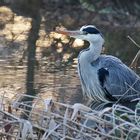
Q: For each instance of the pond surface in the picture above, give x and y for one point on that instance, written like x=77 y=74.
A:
x=62 y=85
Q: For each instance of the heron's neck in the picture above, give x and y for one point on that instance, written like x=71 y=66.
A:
x=94 y=51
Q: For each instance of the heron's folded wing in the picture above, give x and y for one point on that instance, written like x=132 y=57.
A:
x=121 y=82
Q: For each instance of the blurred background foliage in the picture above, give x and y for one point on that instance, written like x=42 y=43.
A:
x=26 y=31
x=108 y=15
x=124 y=7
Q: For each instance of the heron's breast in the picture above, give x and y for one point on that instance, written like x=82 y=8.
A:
x=88 y=74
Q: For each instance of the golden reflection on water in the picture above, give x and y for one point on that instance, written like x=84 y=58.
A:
x=61 y=85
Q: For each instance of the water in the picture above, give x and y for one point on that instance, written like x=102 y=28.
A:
x=52 y=79
x=50 y=82
x=62 y=85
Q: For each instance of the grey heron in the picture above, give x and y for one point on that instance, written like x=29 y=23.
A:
x=103 y=77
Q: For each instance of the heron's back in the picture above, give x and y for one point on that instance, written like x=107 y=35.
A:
x=121 y=83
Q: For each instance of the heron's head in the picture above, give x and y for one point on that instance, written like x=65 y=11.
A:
x=89 y=33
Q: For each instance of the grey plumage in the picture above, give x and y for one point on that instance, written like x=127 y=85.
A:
x=103 y=77
x=122 y=83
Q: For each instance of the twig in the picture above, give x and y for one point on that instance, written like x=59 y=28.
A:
x=133 y=41
x=137 y=56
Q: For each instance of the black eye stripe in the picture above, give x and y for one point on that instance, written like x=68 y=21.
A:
x=91 y=30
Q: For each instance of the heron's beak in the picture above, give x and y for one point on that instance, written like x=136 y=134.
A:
x=68 y=33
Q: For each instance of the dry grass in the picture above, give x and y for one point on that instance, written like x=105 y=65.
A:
x=50 y=120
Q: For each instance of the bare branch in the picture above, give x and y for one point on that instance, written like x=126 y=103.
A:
x=133 y=41
x=137 y=56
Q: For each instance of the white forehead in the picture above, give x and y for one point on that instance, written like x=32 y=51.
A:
x=86 y=26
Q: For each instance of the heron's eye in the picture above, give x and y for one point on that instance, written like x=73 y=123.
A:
x=85 y=32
